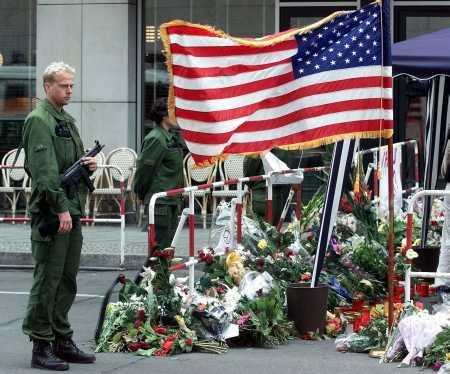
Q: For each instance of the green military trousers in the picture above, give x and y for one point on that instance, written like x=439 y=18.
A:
x=54 y=285
x=166 y=222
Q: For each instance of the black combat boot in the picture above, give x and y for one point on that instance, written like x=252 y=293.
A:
x=68 y=351
x=44 y=358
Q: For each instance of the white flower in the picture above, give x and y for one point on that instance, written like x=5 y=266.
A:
x=411 y=254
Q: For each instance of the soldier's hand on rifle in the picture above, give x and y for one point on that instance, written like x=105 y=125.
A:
x=91 y=163
x=65 y=222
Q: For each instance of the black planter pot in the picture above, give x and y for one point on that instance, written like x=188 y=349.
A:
x=428 y=259
x=307 y=307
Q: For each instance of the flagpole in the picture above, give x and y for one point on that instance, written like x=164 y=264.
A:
x=391 y=230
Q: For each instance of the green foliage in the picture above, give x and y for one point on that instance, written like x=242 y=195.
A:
x=439 y=349
x=371 y=257
x=267 y=325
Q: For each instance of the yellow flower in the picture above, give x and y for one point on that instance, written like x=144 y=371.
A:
x=447 y=357
x=262 y=244
x=232 y=258
x=416 y=242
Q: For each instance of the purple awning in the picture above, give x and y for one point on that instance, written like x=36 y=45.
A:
x=423 y=56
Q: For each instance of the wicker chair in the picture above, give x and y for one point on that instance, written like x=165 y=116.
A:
x=13 y=180
x=193 y=176
x=231 y=167
x=124 y=159
x=97 y=179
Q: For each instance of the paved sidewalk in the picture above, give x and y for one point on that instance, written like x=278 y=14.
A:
x=101 y=247
x=297 y=357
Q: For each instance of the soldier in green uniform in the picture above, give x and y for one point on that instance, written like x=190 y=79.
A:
x=52 y=143
x=159 y=167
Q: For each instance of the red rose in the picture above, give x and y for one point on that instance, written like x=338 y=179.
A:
x=167 y=346
x=160 y=330
x=188 y=341
x=137 y=323
x=145 y=345
x=134 y=346
x=122 y=278
x=140 y=315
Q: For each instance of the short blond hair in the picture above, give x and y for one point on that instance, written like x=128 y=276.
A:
x=55 y=68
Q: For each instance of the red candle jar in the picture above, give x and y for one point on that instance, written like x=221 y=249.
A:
x=357 y=304
x=423 y=289
x=365 y=316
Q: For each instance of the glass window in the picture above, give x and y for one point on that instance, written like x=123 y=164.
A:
x=250 y=18
x=17 y=68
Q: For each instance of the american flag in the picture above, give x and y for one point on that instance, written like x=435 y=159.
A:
x=296 y=89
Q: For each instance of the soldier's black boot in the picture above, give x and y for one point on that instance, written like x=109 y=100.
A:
x=68 y=351
x=44 y=358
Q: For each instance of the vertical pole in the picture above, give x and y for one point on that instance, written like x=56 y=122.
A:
x=408 y=283
x=391 y=229
x=191 y=241
x=122 y=222
x=298 y=200
x=375 y=175
x=269 y=204
x=409 y=230
x=239 y=214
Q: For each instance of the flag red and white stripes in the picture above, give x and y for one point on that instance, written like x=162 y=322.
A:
x=232 y=95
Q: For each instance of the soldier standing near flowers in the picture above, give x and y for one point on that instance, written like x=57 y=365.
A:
x=52 y=144
x=159 y=167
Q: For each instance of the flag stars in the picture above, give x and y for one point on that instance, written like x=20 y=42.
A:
x=308 y=62
x=315 y=54
x=300 y=59
x=333 y=62
x=339 y=54
x=375 y=43
x=330 y=49
x=374 y=58
x=347 y=60
x=361 y=44
x=307 y=53
x=354 y=53
x=330 y=41
x=374 y=28
x=338 y=42
x=317 y=67
x=360 y=59
x=375 y=15
x=368 y=51
x=320 y=36
x=361 y=30
x=367 y=23
x=324 y=58
x=367 y=36
x=354 y=38
x=301 y=71
x=338 y=34
x=347 y=46
x=305 y=39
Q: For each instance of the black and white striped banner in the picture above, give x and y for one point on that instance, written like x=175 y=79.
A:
x=340 y=168
x=438 y=122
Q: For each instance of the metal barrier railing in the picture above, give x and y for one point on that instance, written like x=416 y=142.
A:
x=191 y=215
x=86 y=220
x=373 y=166
x=409 y=241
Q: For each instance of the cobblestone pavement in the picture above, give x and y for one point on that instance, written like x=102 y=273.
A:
x=101 y=245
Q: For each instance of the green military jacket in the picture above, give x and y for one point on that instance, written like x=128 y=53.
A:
x=159 y=167
x=52 y=143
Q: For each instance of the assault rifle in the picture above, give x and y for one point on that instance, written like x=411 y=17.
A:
x=79 y=172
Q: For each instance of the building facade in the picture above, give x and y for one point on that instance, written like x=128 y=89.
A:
x=116 y=49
